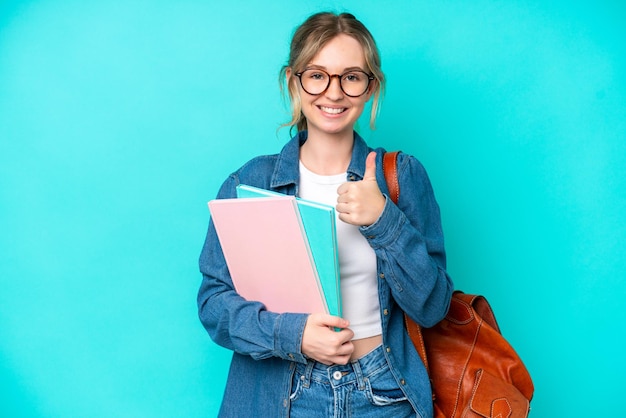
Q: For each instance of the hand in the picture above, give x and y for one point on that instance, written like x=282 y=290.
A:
x=361 y=202
x=322 y=343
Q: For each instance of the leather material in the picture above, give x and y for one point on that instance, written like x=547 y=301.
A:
x=474 y=371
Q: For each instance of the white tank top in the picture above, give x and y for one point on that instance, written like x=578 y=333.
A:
x=357 y=260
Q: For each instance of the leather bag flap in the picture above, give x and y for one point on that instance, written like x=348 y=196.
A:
x=459 y=312
x=492 y=397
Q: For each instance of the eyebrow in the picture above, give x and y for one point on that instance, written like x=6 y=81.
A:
x=345 y=70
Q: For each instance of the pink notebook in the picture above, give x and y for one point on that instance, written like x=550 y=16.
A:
x=267 y=253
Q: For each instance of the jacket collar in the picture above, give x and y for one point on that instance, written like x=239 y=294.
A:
x=287 y=172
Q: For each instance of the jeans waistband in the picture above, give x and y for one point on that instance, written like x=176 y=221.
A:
x=355 y=371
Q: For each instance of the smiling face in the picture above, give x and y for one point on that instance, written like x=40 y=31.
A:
x=333 y=112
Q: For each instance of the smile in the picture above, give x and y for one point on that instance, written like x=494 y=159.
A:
x=332 y=110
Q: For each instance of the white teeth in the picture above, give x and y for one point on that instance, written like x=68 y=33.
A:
x=332 y=110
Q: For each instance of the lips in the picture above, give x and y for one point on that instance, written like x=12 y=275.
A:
x=332 y=110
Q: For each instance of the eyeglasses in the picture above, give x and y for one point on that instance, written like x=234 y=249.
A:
x=353 y=83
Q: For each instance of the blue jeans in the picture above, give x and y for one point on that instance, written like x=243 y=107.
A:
x=364 y=388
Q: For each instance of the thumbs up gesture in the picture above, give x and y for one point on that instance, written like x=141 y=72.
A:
x=361 y=202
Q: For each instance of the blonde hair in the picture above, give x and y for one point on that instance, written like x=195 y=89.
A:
x=309 y=38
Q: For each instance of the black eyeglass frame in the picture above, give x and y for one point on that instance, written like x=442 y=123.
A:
x=370 y=77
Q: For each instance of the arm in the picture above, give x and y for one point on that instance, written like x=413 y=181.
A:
x=408 y=241
x=234 y=323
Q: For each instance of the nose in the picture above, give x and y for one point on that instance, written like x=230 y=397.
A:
x=334 y=90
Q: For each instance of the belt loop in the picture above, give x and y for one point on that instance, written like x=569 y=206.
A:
x=308 y=371
x=358 y=373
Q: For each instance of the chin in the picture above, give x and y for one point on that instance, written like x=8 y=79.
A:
x=335 y=130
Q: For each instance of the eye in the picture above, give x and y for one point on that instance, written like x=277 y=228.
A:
x=315 y=75
x=353 y=77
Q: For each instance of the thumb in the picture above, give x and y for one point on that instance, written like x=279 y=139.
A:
x=370 y=167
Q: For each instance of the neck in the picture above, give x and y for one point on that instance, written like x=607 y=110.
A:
x=327 y=155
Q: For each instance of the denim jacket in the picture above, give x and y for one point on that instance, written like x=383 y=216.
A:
x=409 y=247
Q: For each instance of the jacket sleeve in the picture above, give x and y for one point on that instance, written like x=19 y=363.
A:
x=245 y=327
x=408 y=241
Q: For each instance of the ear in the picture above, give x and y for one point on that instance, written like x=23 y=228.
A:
x=289 y=78
x=372 y=88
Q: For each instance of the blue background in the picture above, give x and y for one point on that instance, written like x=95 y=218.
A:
x=119 y=120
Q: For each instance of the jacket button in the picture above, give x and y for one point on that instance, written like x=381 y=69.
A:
x=402 y=382
x=385 y=311
x=381 y=275
x=337 y=375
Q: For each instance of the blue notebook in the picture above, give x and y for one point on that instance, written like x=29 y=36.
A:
x=319 y=224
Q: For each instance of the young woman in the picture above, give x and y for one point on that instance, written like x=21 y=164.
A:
x=392 y=257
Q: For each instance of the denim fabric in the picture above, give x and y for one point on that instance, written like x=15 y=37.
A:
x=408 y=242
x=364 y=388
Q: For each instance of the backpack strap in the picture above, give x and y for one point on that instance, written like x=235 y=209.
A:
x=390 y=168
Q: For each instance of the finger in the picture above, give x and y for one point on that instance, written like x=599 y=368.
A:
x=370 y=167
x=344 y=354
x=330 y=321
x=342 y=208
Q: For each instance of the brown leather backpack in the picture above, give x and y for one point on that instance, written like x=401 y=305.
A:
x=474 y=371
